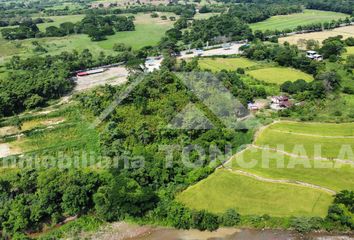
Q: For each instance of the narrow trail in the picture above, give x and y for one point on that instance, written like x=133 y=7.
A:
x=286 y=181
x=312 y=135
x=350 y=162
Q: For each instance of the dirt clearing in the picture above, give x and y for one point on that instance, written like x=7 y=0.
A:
x=7 y=150
x=112 y=76
x=298 y=39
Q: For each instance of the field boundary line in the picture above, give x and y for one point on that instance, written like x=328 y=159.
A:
x=283 y=181
x=311 y=135
x=301 y=156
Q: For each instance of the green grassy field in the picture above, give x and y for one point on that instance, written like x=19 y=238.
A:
x=250 y=195
x=218 y=64
x=199 y=16
x=59 y=20
x=148 y=31
x=224 y=190
x=293 y=20
x=279 y=75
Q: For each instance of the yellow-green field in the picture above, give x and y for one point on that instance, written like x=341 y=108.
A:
x=291 y=21
x=231 y=64
x=280 y=171
x=224 y=190
x=279 y=75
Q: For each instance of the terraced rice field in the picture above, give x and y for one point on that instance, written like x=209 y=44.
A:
x=285 y=158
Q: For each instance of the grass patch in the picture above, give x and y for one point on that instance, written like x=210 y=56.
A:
x=223 y=190
x=199 y=16
x=231 y=64
x=279 y=75
x=291 y=21
x=350 y=51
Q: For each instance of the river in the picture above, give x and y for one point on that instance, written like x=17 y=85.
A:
x=236 y=234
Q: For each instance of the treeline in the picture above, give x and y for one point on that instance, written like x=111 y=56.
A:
x=13 y=21
x=344 y=6
x=34 y=199
x=285 y=55
x=212 y=30
x=252 y=13
x=315 y=27
x=33 y=81
x=97 y=27
x=181 y=10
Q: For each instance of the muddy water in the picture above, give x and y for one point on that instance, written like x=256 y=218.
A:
x=234 y=234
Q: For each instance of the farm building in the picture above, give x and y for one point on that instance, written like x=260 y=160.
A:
x=280 y=102
x=258 y=104
x=153 y=63
x=90 y=72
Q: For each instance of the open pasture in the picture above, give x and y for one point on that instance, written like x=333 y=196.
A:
x=279 y=75
x=291 y=21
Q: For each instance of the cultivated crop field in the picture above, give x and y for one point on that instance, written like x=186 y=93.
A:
x=224 y=190
x=297 y=39
x=279 y=75
x=45 y=132
x=291 y=21
x=230 y=64
x=282 y=161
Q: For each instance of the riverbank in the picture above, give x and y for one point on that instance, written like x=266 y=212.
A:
x=127 y=231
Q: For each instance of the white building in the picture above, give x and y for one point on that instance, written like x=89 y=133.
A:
x=153 y=63
x=314 y=55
